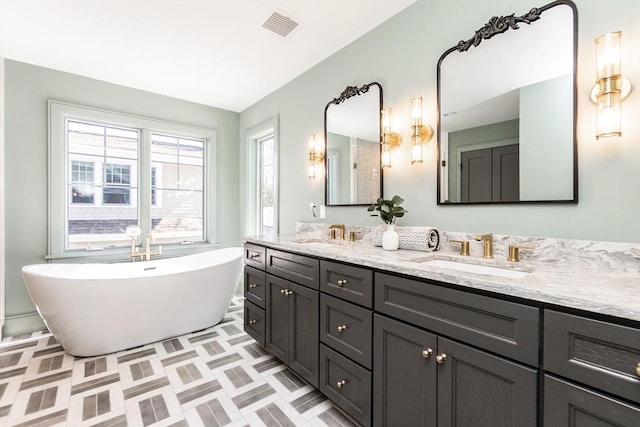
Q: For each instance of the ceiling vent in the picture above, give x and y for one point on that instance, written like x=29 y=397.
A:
x=280 y=24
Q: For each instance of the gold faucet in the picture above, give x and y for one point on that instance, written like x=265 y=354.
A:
x=148 y=253
x=335 y=227
x=464 y=246
x=487 y=244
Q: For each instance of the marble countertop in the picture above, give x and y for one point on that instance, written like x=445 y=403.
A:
x=608 y=291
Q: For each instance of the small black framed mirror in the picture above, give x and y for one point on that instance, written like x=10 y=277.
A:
x=352 y=128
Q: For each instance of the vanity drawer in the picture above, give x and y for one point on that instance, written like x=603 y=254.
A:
x=296 y=268
x=254 y=255
x=346 y=328
x=503 y=327
x=254 y=322
x=254 y=285
x=600 y=354
x=346 y=383
x=348 y=282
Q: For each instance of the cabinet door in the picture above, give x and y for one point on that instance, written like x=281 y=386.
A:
x=277 y=314
x=481 y=390
x=567 y=405
x=304 y=330
x=404 y=380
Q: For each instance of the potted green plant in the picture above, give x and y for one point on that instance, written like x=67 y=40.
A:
x=389 y=211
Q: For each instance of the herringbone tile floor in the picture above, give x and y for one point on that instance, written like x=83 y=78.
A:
x=215 y=377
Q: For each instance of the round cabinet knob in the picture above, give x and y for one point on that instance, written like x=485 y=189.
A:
x=252 y=322
x=427 y=353
x=341 y=383
x=341 y=328
x=289 y=292
x=283 y=291
x=638 y=369
x=342 y=282
x=252 y=286
x=441 y=358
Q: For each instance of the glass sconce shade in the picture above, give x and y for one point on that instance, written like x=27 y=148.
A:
x=385 y=156
x=608 y=55
x=416 y=128
x=316 y=156
x=610 y=85
x=608 y=115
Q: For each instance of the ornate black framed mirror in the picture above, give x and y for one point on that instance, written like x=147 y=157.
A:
x=352 y=146
x=507 y=111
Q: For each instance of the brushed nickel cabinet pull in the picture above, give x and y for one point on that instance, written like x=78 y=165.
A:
x=342 y=282
x=341 y=328
x=283 y=291
x=638 y=369
x=427 y=353
x=341 y=383
x=254 y=256
x=441 y=358
x=252 y=286
x=252 y=322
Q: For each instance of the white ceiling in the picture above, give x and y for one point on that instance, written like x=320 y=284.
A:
x=213 y=52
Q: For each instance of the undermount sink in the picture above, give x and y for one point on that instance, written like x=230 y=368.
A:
x=477 y=269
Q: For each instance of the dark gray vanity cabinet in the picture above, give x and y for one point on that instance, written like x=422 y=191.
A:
x=424 y=379
x=292 y=326
x=254 y=292
x=393 y=350
x=281 y=306
x=601 y=364
x=571 y=405
x=346 y=324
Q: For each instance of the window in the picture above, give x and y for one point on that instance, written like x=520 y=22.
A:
x=262 y=178
x=181 y=160
x=110 y=170
x=266 y=185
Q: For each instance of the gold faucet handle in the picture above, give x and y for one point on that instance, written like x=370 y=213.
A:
x=464 y=246
x=479 y=236
x=333 y=233
x=514 y=254
x=352 y=235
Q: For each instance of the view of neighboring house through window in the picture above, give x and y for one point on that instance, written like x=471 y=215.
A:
x=105 y=169
x=266 y=185
x=103 y=164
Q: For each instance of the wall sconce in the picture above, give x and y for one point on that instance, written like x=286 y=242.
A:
x=316 y=156
x=420 y=133
x=390 y=140
x=611 y=87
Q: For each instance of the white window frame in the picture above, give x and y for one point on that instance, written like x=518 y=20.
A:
x=59 y=113
x=254 y=135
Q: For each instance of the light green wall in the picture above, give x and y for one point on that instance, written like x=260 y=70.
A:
x=402 y=54
x=27 y=89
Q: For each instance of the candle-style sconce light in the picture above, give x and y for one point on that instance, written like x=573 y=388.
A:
x=316 y=156
x=420 y=133
x=611 y=86
x=390 y=140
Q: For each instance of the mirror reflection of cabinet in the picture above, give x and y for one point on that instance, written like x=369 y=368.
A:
x=352 y=152
x=518 y=88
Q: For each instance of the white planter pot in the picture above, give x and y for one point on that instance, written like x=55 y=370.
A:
x=390 y=240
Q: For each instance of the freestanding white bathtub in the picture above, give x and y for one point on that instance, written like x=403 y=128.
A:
x=94 y=309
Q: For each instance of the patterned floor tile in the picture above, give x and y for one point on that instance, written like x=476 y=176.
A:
x=214 y=377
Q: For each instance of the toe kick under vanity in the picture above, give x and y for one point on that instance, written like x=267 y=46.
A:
x=394 y=342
